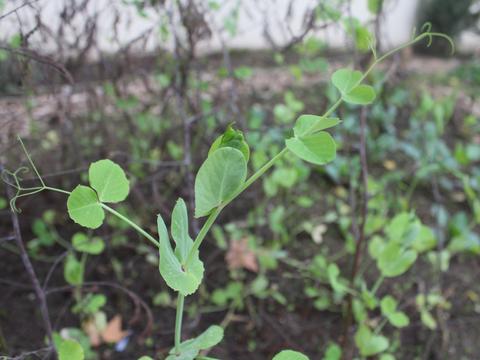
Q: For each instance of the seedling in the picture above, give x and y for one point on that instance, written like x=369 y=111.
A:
x=220 y=180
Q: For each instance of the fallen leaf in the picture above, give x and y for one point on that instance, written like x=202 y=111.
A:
x=92 y=331
x=113 y=331
x=239 y=255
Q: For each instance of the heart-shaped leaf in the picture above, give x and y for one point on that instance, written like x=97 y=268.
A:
x=219 y=177
x=84 y=208
x=70 y=350
x=368 y=343
x=81 y=242
x=319 y=148
x=311 y=124
x=109 y=180
x=182 y=278
x=179 y=230
x=290 y=355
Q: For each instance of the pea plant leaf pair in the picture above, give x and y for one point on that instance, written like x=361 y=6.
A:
x=180 y=274
x=348 y=81
x=108 y=184
x=310 y=143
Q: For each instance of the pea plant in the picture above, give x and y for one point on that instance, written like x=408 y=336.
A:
x=221 y=178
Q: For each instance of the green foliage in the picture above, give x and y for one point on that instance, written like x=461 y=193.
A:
x=218 y=179
x=389 y=309
x=73 y=270
x=289 y=355
x=109 y=181
x=348 y=82
x=317 y=149
x=82 y=243
x=406 y=237
x=181 y=275
x=311 y=124
x=70 y=350
x=189 y=349
x=369 y=343
x=84 y=207
x=231 y=138
x=111 y=185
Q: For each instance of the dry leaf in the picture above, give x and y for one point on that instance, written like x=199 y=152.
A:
x=113 y=331
x=92 y=331
x=239 y=255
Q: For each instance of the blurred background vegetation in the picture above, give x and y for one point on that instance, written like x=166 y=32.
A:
x=150 y=84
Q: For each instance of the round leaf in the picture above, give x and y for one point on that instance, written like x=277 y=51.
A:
x=361 y=95
x=109 y=180
x=290 y=355
x=318 y=148
x=70 y=350
x=84 y=208
x=81 y=242
x=219 y=177
x=346 y=80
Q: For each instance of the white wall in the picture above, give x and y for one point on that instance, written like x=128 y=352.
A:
x=397 y=24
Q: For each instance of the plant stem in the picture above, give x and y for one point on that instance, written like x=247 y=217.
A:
x=132 y=224
x=178 y=322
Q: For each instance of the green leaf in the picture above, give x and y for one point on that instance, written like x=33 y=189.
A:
x=84 y=208
x=145 y=358
x=348 y=83
x=345 y=80
x=70 y=350
x=319 y=148
x=209 y=338
x=185 y=279
x=90 y=304
x=179 y=230
x=81 y=242
x=394 y=261
x=310 y=124
x=109 y=180
x=231 y=138
x=290 y=355
x=361 y=95
x=73 y=270
x=219 y=177
x=399 y=319
x=333 y=352
x=388 y=305
x=368 y=343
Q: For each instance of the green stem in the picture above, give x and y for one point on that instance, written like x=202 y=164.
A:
x=132 y=224
x=377 y=284
x=178 y=322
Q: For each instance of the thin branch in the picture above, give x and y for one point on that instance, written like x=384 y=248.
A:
x=31 y=271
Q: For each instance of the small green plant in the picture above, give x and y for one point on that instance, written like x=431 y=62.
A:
x=220 y=180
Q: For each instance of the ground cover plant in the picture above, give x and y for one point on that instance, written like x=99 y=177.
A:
x=219 y=181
